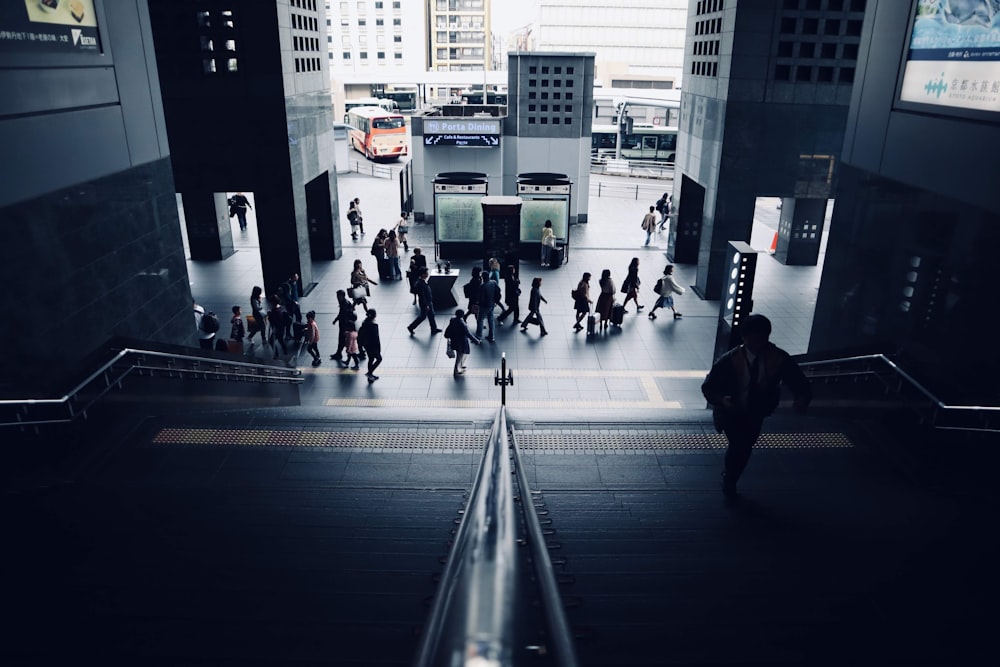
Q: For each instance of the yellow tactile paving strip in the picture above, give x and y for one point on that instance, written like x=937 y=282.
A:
x=541 y=440
x=650 y=399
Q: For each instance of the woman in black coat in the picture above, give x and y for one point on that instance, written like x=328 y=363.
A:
x=368 y=337
x=345 y=316
x=459 y=335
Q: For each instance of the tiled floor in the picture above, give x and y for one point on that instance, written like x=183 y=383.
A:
x=646 y=364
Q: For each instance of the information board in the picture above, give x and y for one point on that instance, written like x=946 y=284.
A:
x=48 y=26
x=458 y=217
x=534 y=213
x=954 y=57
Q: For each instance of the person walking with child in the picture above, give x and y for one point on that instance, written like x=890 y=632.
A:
x=345 y=315
x=666 y=287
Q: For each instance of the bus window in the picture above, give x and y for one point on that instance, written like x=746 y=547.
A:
x=388 y=123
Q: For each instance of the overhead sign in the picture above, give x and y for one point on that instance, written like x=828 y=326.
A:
x=459 y=126
x=38 y=26
x=477 y=140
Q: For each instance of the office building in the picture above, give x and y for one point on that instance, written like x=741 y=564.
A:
x=459 y=38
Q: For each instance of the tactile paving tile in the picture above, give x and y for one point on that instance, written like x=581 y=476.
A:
x=368 y=440
x=648 y=440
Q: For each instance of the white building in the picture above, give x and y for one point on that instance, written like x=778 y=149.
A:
x=374 y=43
x=639 y=44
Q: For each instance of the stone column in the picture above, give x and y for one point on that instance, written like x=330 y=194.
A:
x=206 y=216
x=800 y=230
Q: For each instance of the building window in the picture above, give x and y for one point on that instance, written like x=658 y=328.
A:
x=379 y=23
x=398 y=55
x=347 y=55
x=397 y=22
x=363 y=55
x=381 y=55
x=362 y=23
x=208 y=65
x=397 y=39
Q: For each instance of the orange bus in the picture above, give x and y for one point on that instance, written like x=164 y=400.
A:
x=377 y=133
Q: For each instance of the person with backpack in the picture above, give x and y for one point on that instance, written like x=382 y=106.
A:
x=238 y=204
x=666 y=210
x=354 y=217
x=237 y=331
x=666 y=287
x=208 y=326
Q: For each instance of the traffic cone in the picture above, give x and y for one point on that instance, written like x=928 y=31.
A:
x=774 y=244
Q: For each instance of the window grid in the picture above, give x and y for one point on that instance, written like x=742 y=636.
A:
x=818 y=41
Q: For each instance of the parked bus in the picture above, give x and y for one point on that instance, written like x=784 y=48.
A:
x=385 y=105
x=476 y=97
x=404 y=95
x=377 y=133
x=646 y=142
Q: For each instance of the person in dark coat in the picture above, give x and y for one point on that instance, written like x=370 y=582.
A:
x=743 y=388
x=368 y=337
x=418 y=262
x=489 y=297
x=345 y=316
x=458 y=333
x=511 y=292
x=425 y=301
x=238 y=204
x=535 y=299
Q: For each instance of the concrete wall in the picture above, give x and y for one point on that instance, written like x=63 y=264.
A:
x=89 y=231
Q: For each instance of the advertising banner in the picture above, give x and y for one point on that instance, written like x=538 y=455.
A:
x=48 y=26
x=954 y=56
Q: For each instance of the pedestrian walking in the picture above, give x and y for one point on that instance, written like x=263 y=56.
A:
x=743 y=388
x=345 y=315
x=392 y=255
x=257 y=323
x=581 y=300
x=493 y=272
x=236 y=329
x=667 y=209
x=312 y=338
x=418 y=262
x=630 y=286
x=276 y=322
x=369 y=338
x=355 y=218
x=649 y=224
x=606 y=298
x=289 y=293
x=238 y=204
x=351 y=344
x=535 y=300
x=425 y=300
x=360 y=290
x=666 y=287
x=511 y=294
x=378 y=252
x=489 y=297
x=471 y=291
x=207 y=324
x=458 y=336
x=548 y=243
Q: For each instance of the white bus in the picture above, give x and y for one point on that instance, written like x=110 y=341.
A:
x=379 y=134
x=385 y=105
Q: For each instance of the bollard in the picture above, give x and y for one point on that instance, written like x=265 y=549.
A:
x=503 y=378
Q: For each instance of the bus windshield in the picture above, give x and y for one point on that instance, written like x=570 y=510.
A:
x=387 y=123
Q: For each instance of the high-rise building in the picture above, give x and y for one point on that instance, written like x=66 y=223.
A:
x=369 y=38
x=459 y=35
x=638 y=43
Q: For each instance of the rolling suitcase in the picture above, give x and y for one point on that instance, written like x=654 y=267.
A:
x=617 y=314
x=591 y=325
x=556 y=257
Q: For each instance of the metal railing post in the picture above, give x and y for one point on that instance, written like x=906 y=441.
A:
x=503 y=378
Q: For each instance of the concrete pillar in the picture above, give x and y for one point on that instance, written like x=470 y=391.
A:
x=284 y=237
x=730 y=220
x=209 y=231
x=800 y=230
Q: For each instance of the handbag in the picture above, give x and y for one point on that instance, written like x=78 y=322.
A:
x=358 y=292
x=573 y=295
x=450 y=350
x=404 y=229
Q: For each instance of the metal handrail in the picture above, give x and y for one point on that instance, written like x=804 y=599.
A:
x=471 y=622
x=563 y=651
x=940 y=408
x=109 y=377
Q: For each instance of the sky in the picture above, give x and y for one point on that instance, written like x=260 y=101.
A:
x=511 y=14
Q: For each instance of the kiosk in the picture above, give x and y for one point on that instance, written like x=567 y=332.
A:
x=458 y=216
x=545 y=196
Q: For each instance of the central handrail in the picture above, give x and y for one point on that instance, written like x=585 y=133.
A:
x=471 y=622
x=940 y=409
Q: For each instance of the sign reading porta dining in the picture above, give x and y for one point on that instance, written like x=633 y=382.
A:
x=468 y=132
x=48 y=26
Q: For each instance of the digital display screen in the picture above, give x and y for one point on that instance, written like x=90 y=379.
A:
x=534 y=213
x=954 y=56
x=48 y=26
x=458 y=217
